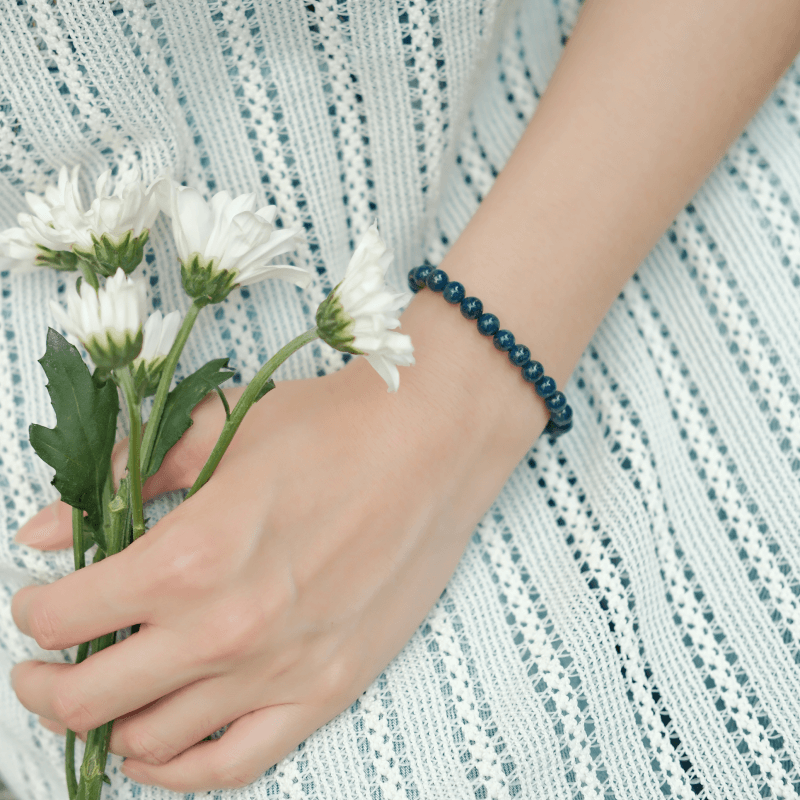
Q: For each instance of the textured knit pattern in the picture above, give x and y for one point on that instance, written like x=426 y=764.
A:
x=624 y=623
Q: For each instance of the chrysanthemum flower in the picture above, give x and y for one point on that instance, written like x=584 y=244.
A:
x=110 y=234
x=37 y=241
x=116 y=226
x=159 y=334
x=225 y=242
x=360 y=315
x=107 y=321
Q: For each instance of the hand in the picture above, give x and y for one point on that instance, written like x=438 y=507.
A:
x=272 y=598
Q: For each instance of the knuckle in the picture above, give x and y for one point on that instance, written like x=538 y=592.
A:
x=73 y=710
x=337 y=679
x=236 y=774
x=231 y=630
x=145 y=746
x=44 y=626
x=188 y=569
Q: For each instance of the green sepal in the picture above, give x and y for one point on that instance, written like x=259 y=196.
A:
x=267 y=387
x=147 y=374
x=113 y=352
x=79 y=447
x=334 y=326
x=176 y=418
x=108 y=255
x=203 y=281
x=106 y=779
x=62 y=260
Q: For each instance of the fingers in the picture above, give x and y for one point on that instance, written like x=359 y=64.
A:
x=176 y=722
x=84 y=696
x=50 y=529
x=56 y=727
x=183 y=462
x=103 y=597
x=251 y=745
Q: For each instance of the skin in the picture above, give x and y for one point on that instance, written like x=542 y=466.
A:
x=274 y=597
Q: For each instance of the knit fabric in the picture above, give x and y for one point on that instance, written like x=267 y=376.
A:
x=624 y=622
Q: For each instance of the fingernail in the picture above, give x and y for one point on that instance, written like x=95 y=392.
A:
x=40 y=527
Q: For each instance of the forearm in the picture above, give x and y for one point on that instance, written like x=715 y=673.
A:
x=644 y=102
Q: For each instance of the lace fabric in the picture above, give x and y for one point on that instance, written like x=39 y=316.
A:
x=624 y=623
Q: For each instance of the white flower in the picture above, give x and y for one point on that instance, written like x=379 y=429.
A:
x=58 y=223
x=360 y=315
x=226 y=242
x=107 y=322
x=131 y=207
x=18 y=252
x=159 y=334
x=21 y=247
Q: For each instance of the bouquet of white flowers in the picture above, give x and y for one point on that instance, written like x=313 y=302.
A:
x=222 y=244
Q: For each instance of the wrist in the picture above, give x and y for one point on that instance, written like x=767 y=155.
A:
x=473 y=386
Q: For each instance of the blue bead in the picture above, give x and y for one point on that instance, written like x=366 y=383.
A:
x=519 y=355
x=532 y=371
x=504 y=340
x=545 y=386
x=412 y=280
x=437 y=280
x=554 y=431
x=421 y=275
x=454 y=292
x=562 y=417
x=471 y=307
x=488 y=324
x=556 y=401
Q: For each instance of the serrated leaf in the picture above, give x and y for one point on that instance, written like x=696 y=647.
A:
x=176 y=419
x=79 y=447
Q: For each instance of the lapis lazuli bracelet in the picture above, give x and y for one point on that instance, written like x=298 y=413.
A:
x=518 y=354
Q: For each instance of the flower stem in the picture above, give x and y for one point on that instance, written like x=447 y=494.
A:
x=134 y=400
x=69 y=747
x=80 y=562
x=252 y=393
x=77 y=538
x=97 y=741
x=168 y=370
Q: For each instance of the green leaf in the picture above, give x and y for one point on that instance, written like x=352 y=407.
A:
x=79 y=447
x=176 y=419
x=90 y=537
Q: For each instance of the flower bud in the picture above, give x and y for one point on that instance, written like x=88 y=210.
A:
x=159 y=336
x=107 y=321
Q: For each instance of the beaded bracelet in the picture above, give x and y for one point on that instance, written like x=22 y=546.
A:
x=489 y=325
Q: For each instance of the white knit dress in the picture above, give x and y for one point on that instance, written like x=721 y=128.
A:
x=625 y=621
